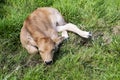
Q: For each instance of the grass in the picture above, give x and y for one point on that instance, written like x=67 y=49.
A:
x=97 y=59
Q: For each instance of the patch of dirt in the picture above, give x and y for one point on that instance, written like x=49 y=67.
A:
x=97 y=34
x=106 y=38
x=116 y=30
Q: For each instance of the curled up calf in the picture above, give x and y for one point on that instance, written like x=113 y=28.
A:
x=39 y=33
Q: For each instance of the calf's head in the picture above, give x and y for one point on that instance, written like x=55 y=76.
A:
x=47 y=47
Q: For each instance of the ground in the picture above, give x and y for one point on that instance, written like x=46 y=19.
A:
x=77 y=58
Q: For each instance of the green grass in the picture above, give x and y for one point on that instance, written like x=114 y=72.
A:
x=97 y=59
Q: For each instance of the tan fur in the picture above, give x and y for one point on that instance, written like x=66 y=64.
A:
x=40 y=32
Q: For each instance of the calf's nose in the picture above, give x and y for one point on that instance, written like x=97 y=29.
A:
x=48 y=62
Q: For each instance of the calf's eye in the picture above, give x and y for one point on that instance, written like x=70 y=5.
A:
x=53 y=50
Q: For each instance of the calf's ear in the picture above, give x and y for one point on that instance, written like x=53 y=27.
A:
x=58 y=40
